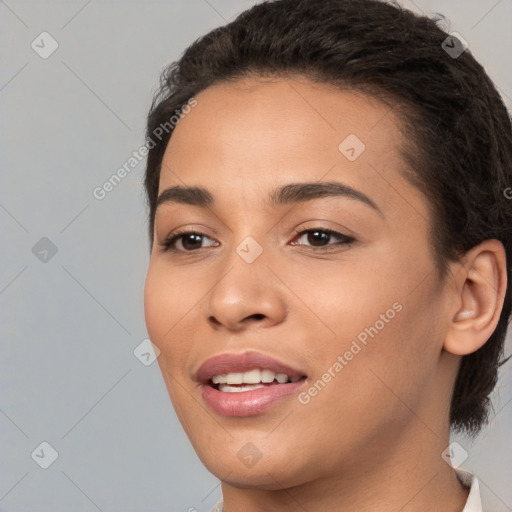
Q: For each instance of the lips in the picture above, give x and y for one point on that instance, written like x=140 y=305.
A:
x=225 y=390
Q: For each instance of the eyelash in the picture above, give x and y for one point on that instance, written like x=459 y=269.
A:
x=168 y=244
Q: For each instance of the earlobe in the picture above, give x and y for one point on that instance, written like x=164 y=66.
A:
x=479 y=295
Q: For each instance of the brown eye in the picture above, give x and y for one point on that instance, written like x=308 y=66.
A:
x=321 y=238
x=186 y=241
x=316 y=238
x=191 y=241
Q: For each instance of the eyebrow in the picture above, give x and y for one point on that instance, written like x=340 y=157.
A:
x=287 y=194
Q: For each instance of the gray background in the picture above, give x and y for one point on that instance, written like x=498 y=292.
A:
x=70 y=324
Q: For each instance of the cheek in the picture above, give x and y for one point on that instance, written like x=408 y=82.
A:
x=155 y=305
x=391 y=353
x=377 y=315
x=361 y=388
x=167 y=300
x=344 y=297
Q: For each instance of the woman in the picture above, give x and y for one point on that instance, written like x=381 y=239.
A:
x=330 y=255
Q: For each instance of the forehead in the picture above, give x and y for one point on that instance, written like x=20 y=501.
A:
x=251 y=135
x=283 y=115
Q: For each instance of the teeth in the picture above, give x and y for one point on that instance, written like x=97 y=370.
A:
x=267 y=376
x=239 y=389
x=252 y=377
x=234 y=378
x=282 y=378
x=219 y=378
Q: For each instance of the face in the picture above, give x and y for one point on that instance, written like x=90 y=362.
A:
x=294 y=322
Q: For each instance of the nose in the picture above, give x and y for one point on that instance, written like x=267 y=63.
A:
x=246 y=294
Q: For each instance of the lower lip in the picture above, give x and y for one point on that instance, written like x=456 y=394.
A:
x=248 y=403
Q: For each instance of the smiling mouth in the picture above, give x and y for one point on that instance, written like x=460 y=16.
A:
x=239 y=382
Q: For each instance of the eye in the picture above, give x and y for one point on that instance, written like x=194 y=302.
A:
x=320 y=237
x=188 y=240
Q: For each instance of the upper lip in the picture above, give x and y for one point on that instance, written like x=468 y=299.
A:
x=222 y=364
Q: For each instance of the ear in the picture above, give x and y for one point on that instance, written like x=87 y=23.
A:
x=479 y=292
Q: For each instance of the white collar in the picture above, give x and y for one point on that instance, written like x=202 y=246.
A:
x=473 y=503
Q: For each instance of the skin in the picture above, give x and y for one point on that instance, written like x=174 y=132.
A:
x=372 y=438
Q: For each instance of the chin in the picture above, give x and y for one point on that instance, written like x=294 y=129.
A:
x=249 y=468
